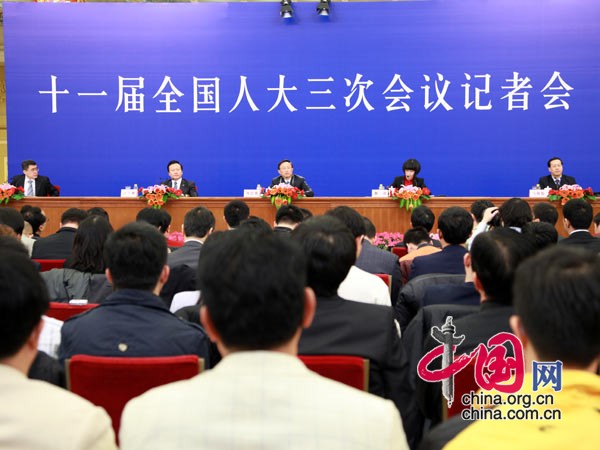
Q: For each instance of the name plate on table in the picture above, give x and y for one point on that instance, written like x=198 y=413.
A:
x=539 y=193
x=129 y=192
x=252 y=193
x=380 y=193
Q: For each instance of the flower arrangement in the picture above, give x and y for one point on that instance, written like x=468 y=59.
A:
x=10 y=192
x=410 y=196
x=282 y=194
x=567 y=192
x=157 y=195
x=387 y=239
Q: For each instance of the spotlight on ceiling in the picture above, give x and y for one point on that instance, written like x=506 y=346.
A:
x=323 y=8
x=286 y=10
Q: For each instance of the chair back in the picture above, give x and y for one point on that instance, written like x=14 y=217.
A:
x=63 y=311
x=49 y=264
x=350 y=370
x=387 y=279
x=399 y=251
x=110 y=382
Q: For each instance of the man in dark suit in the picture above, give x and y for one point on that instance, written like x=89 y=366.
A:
x=578 y=216
x=374 y=260
x=556 y=178
x=60 y=244
x=198 y=223
x=286 y=176
x=344 y=327
x=455 y=226
x=176 y=180
x=35 y=185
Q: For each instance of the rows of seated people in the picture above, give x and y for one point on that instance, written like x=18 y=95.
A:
x=258 y=295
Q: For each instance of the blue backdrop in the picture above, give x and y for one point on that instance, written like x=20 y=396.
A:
x=482 y=93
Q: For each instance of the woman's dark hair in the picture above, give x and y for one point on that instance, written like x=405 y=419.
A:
x=412 y=164
x=35 y=217
x=88 y=245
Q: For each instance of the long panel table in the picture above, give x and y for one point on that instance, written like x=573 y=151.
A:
x=384 y=212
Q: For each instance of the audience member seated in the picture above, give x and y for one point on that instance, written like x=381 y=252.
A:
x=287 y=218
x=542 y=234
x=36 y=218
x=545 y=212
x=557 y=305
x=454 y=294
x=418 y=243
x=255 y=224
x=343 y=327
x=578 y=216
x=133 y=321
x=276 y=401
x=597 y=225
x=422 y=216
x=35 y=414
x=375 y=260
x=98 y=211
x=26 y=237
x=359 y=285
x=198 y=223
x=84 y=276
x=495 y=256
x=60 y=244
x=455 y=226
x=515 y=213
x=158 y=218
x=478 y=208
x=235 y=212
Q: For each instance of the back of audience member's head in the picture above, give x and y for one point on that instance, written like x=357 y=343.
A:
x=235 y=212
x=330 y=249
x=495 y=256
x=35 y=217
x=541 y=234
x=422 y=216
x=350 y=217
x=253 y=289
x=10 y=242
x=87 y=254
x=98 y=211
x=515 y=212
x=545 y=212
x=478 y=207
x=5 y=230
x=135 y=256
x=158 y=218
x=579 y=213
x=198 y=222
x=307 y=214
x=12 y=218
x=370 y=230
x=289 y=215
x=73 y=215
x=557 y=300
x=23 y=299
x=256 y=225
x=597 y=220
x=456 y=225
x=416 y=236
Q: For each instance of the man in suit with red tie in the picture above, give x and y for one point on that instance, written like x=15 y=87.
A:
x=556 y=179
x=176 y=180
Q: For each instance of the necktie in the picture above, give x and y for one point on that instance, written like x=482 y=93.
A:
x=176 y=185
x=557 y=182
x=29 y=192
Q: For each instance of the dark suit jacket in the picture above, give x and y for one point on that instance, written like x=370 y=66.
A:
x=449 y=260
x=582 y=239
x=399 y=182
x=548 y=181
x=454 y=294
x=188 y=188
x=55 y=246
x=375 y=260
x=344 y=327
x=187 y=254
x=43 y=186
x=297 y=181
